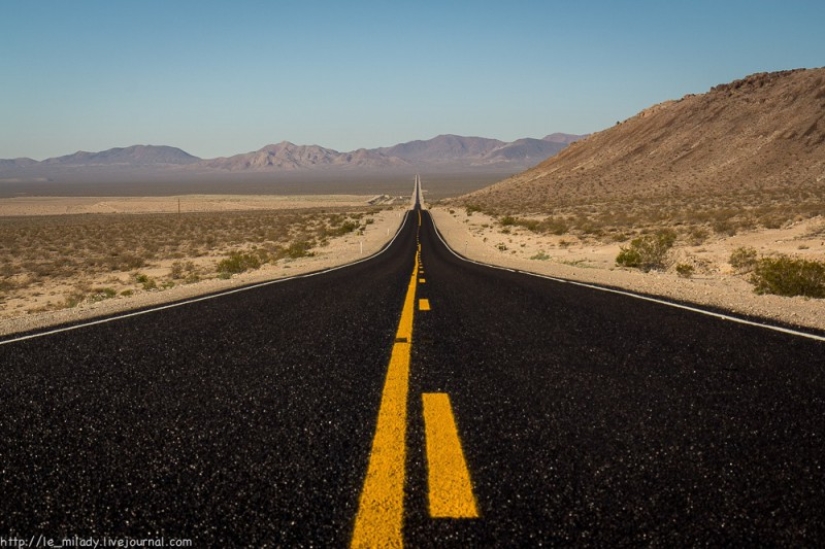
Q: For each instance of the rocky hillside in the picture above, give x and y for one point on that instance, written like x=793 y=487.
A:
x=762 y=134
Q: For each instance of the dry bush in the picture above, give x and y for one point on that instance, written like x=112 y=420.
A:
x=789 y=276
x=647 y=252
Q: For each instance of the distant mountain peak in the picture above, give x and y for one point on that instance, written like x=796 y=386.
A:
x=135 y=155
x=445 y=151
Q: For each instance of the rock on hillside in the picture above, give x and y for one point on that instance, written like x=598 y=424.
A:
x=765 y=132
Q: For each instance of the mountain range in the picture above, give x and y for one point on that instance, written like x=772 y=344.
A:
x=443 y=151
x=761 y=134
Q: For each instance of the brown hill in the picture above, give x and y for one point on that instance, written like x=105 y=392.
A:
x=764 y=135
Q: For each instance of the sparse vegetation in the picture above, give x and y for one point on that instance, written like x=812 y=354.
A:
x=471 y=208
x=684 y=270
x=147 y=282
x=299 y=248
x=647 y=252
x=118 y=254
x=780 y=275
x=694 y=218
x=743 y=259
x=789 y=276
x=239 y=262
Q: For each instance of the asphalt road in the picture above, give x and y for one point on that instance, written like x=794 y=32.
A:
x=585 y=417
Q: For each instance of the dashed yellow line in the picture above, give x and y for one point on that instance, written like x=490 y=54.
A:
x=450 y=488
x=380 y=517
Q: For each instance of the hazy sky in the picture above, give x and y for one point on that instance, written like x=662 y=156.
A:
x=220 y=78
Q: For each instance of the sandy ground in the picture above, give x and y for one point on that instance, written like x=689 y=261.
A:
x=49 y=205
x=21 y=314
x=715 y=284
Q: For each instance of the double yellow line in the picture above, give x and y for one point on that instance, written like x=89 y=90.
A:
x=380 y=518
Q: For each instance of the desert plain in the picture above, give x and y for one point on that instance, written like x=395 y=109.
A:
x=64 y=259
x=143 y=251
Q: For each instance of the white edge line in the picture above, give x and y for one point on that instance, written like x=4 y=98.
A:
x=206 y=297
x=634 y=295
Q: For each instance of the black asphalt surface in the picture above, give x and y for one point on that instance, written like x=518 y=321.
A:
x=587 y=418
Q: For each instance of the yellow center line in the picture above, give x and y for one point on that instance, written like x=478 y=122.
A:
x=423 y=304
x=380 y=517
x=450 y=488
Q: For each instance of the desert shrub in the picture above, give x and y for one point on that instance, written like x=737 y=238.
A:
x=74 y=298
x=743 y=259
x=647 y=252
x=7 y=285
x=299 y=248
x=99 y=294
x=146 y=281
x=239 y=262
x=684 y=270
x=788 y=276
x=724 y=226
x=697 y=236
x=554 y=225
x=345 y=227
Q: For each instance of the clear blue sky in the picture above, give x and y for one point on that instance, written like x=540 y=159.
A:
x=220 y=78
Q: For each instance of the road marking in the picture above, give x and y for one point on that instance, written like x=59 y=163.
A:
x=450 y=488
x=423 y=304
x=421 y=281
x=380 y=517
